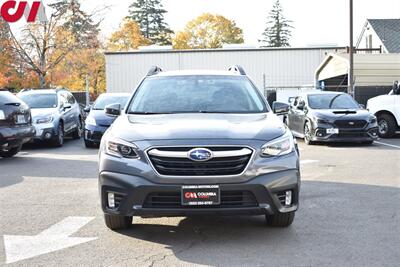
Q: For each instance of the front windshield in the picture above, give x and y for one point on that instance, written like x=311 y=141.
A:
x=332 y=101
x=40 y=100
x=197 y=94
x=105 y=100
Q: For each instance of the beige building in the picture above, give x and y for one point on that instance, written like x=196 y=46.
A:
x=374 y=74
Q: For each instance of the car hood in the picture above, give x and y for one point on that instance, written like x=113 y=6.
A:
x=42 y=112
x=333 y=114
x=101 y=117
x=264 y=127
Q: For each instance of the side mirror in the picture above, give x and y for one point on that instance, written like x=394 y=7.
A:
x=301 y=105
x=113 y=110
x=280 y=108
x=67 y=106
x=362 y=106
x=87 y=109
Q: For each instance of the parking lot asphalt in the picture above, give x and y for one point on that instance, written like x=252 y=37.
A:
x=349 y=216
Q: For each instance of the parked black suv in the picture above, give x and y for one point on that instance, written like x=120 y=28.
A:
x=15 y=124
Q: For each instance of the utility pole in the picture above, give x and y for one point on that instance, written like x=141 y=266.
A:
x=87 y=91
x=350 y=88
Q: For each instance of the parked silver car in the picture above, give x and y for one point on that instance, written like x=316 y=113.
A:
x=55 y=114
x=200 y=142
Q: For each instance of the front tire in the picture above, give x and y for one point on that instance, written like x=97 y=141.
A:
x=307 y=134
x=59 y=139
x=116 y=222
x=89 y=144
x=79 y=130
x=10 y=153
x=280 y=219
x=387 y=126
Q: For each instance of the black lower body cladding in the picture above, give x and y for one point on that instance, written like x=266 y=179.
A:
x=262 y=195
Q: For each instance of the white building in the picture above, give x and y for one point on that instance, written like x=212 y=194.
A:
x=268 y=67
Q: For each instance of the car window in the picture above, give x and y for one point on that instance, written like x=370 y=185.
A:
x=332 y=101
x=40 y=100
x=296 y=101
x=62 y=99
x=105 y=100
x=71 y=98
x=197 y=93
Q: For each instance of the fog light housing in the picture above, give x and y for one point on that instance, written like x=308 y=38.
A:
x=111 y=200
x=288 y=198
x=47 y=135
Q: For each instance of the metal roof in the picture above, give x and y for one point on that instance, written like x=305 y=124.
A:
x=388 y=31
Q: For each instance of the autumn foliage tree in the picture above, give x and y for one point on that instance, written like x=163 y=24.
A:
x=127 y=37
x=43 y=46
x=208 y=31
x=8 y=69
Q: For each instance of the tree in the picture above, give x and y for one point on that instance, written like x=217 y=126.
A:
x=278 y=31
x=8 y=68
x=149 y=14
x=208 y=31
x=128 y=37
x=44 y=45
x=77 y=21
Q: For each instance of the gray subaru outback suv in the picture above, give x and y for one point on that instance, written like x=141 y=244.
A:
x=198 y=142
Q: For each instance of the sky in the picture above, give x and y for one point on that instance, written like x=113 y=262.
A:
x=316 y=22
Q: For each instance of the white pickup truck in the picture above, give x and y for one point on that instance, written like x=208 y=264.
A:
x=387 y=109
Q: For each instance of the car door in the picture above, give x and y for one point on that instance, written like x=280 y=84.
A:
x=292 y=115
x=397 y=107
x=299 y=115
x=75 y=109
x=66 y=114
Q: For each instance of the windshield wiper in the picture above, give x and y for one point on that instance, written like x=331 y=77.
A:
x=346 y=111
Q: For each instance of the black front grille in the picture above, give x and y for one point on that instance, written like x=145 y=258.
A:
x=350 y=124
x=229 y=199
x=351 y=134
x=186 y=167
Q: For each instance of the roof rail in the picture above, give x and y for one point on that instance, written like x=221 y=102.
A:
x=237 y=69
x=154 y=70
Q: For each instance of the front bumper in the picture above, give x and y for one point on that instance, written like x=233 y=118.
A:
x=345 y=135
x=132 y=192
x=94 y=133
x=45 y=131
x=16 y=136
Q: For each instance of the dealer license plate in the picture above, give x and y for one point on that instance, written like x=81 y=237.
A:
x=21 y=119
x=200 y=195
x=332 y=131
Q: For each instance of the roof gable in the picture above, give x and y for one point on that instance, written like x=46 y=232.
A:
x=388 y=30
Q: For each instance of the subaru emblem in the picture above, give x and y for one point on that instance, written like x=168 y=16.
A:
x=200 y=154
x=351 y=123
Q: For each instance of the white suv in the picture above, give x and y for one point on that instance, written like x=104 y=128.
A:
x=387 y=110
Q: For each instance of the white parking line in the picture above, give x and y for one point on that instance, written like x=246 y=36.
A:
x=308 y=161
x=385 y=144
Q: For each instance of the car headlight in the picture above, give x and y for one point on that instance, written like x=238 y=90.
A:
x=90 y=121
x=322 y=121
x=280 y=146
x=2 y=115
x=373 y=119
x=44 y=120
x=120 y=148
